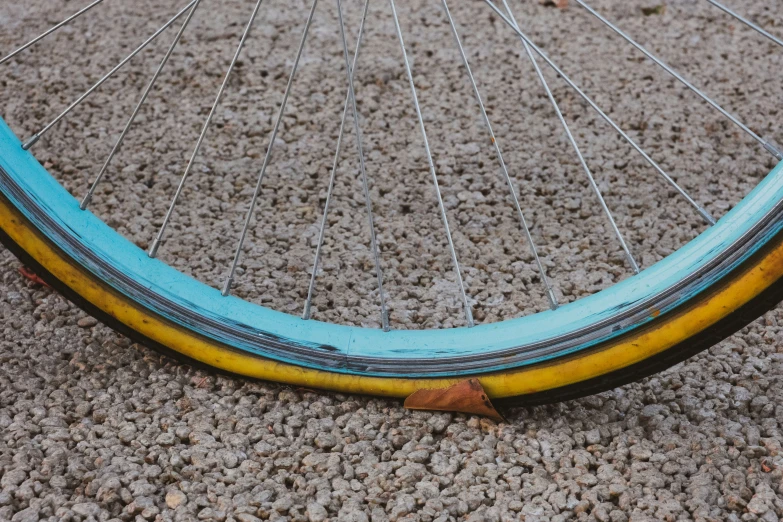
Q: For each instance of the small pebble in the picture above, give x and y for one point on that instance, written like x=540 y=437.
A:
x=87 y=322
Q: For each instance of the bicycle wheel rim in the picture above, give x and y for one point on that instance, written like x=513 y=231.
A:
x=251 y=329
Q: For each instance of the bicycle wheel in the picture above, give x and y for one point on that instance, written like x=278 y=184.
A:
x=669 y=310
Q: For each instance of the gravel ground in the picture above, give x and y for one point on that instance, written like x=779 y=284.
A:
x=97 y=428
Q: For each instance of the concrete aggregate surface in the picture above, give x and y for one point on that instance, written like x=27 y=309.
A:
x=96 y=428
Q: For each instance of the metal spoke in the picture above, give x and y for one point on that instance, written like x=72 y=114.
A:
x=118 y=144
x=230 y=279
x=457 y=271
x=770 y=147
x=368 y=203
x=350 y=96
x=747 y=22
x=49 y=31
x=35 y=137
x=575 y=146
x=493 y=139
x=330 y=190
x=701 y=210
x=156 y=244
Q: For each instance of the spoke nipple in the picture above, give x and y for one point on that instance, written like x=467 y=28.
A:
x=552 y=299
x=706 y=215
x=385 y=321
x=227 y=287
x=85 y=202
x=154 y=249
x=773 y=150
x=32 y=140
x=306 y=311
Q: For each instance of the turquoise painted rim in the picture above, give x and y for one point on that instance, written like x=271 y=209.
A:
x=370 y=345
